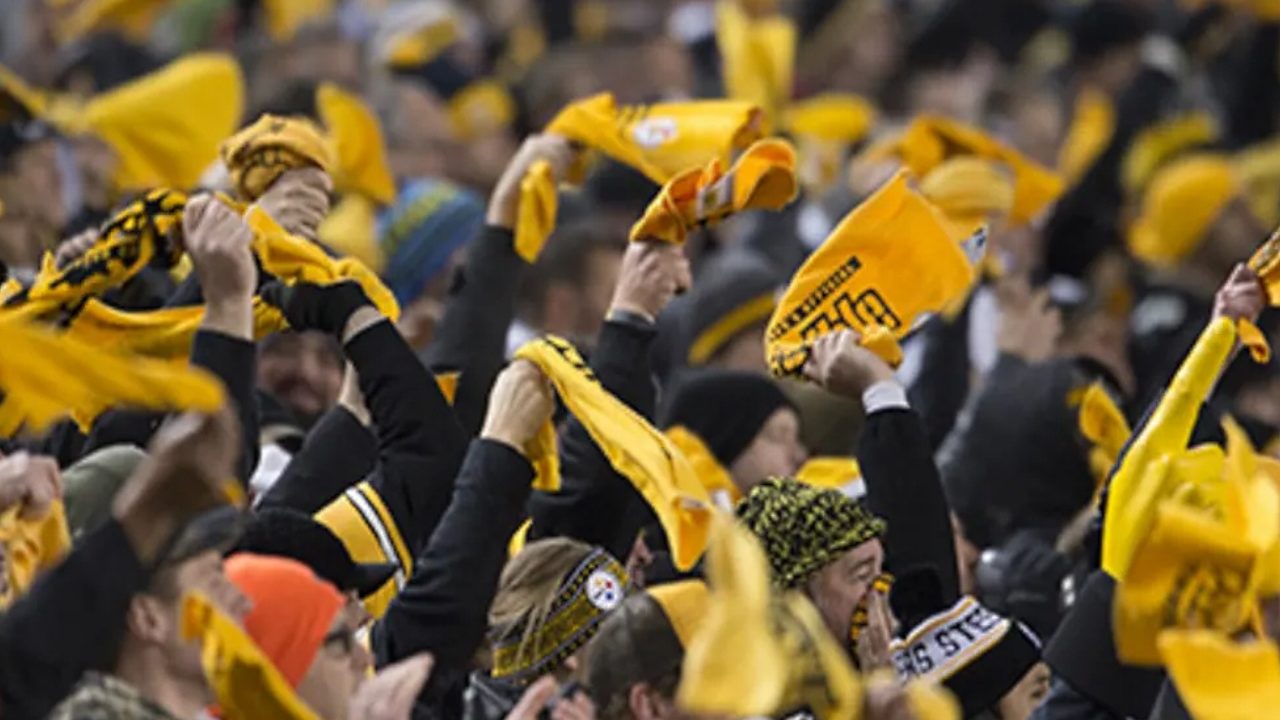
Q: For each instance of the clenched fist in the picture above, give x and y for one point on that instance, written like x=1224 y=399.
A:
x=218 y=241
x=521 y=401
x=299 y=200
x=843 y=367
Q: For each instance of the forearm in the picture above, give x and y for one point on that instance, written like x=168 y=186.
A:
x=338 y=453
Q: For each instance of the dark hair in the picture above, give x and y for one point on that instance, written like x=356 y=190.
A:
x=636 y=644
x=298 y=98
x=565 y=260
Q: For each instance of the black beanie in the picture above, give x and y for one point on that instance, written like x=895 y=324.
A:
x=724 y=408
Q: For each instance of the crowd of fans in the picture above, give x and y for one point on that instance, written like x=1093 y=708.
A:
x=639 y=359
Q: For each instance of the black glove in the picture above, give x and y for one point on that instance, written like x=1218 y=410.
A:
x=325 y=308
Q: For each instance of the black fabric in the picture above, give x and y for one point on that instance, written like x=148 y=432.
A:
x=1169 y=705
x=595 y=504
x=725 y=408
x=325 y=308
x=489 y=699
x=443 y=608
x=1164 y=325
x=1065 y=703
x=942 y=385
x=1022 y=578
x=904 y=488
x=1249 y=87
x=337 y=453
x=71 y=620
x=288 y=533
x=471 y=337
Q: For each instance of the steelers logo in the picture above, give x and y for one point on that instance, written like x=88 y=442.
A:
x=604 y=590
x=653 y=132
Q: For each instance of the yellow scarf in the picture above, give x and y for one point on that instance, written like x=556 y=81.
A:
x=930 y=140
x=763 y=177
x=30 y=547
x=46 y=377
x=888 y=262
x=633 y=447
x=244 y=681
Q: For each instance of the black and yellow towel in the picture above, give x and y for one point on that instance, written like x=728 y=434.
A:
x=634 y=448
x=762 y=178
x=259 y=154
x=365 y=526
x=888 y=262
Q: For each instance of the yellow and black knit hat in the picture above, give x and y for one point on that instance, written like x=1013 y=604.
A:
x=804 y=528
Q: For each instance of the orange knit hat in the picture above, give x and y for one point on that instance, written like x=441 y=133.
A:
x=292 y=609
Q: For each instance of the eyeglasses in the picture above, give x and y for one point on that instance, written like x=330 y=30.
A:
x=341 y=641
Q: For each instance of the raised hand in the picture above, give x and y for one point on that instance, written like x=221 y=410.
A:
x=841 y=366
x=505 y=201
x=521 y=401
x=652 y=273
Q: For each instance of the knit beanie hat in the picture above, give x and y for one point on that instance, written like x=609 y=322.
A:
x=804 y=528
x=429 y=220
x=725 y=409
x=292 y=609
x=977 y=654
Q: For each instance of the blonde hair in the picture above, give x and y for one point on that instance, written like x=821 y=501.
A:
x=529 y=584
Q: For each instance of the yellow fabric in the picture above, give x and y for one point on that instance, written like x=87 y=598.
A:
x=29 y=547
x=633 y=447
x=166 y=333
x=17 y=98
x=833 y=473
x=1258 y=167
x=1265 y=261
x=930 y=140
x=1264 y=9
x=417 y=48
x=1092 y=125
x=1105 y=426
x=245 y=683
x=713 y=476
x=711 y=340
x=889 y=261
x=286 y=17
x=481 y=108
x=293 y=259
x=685 y=604
x=535 y=211
x=663 y=139
x=350 y=228
x=757 y=654
x=448 y=384
x=367 y=529
x=1161 y=143
x=971 y=192
x=1218 y=679
x=824 y=128
x=45 y=378
x=1166 y=433
x=268 y=148
x=165 y=127
x=1180 y=205
x=519 y=539
x=757 y=57
x=356 y=148
x=134 y=237
x=762 y=178
x=133 y=18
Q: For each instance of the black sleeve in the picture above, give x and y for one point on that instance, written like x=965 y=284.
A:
x=1251 y=88
x=471 y=338
x=420 y=442
x=595 y=504
x=232 y=360
x=338 y=452
x=942 y=386
x=903 y=487
x=71 y=620
x=443 y=609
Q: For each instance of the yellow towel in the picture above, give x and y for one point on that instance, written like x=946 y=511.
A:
x=663 y=139
x=1180 y=205
x=45 y=378
x=762 y=178
x=244 y=681
x=260 y=153
x=930 y=140
x=713 y=476
x=888 y=262
x=1218 y=679
x=30 y=546
x=1166 y=433
x=1161 y=143
x=356 y=146
x=757 y=57
x=535 y=211
x=825 y=127
x=1105 y=426
x=1092 y=125
x=165 y=127
x=971 y=192
x=634 y=448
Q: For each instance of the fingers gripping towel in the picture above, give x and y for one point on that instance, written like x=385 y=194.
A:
x=634 y=448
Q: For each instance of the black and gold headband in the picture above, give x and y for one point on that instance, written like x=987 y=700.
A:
x=596 y=586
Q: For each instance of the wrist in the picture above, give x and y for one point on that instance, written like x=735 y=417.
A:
x=884 y=394
x=231 y=316
x=630 y=312
x=363 y=318
x=499 y=433
x=501 y=212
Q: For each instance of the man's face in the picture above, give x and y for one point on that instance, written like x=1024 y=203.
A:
x=837 y=589
x=338 y=668
x=303 y=371
x=597 y=291
x=1025 y=697
x=201 y=574
x=776 y=451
